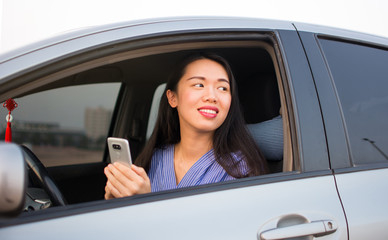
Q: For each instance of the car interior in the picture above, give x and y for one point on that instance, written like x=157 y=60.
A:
x=140 y=74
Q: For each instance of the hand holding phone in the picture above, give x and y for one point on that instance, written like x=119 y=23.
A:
x=119 y=151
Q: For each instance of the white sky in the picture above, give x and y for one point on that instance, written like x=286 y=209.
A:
x=25 y=21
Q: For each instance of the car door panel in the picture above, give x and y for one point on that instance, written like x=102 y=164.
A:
x=361 y=179
x=367 y=216
x=237 y=213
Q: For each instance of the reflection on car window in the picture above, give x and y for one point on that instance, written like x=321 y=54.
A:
x=67 y=125
x=360 y=75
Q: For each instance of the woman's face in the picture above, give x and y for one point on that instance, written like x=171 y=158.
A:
x=203 y=96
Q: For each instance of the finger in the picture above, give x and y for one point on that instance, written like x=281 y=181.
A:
x=144 y=182
x=109 y=173
x=139 y=177
x=140 y=171
x=125 y=181
x=128 y=172
x=143 y=178
x=112 y=191
x=108 y=194
x=117 y=182
x=116 y=173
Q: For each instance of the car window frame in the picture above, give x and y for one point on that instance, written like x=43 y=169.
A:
x=212 y=40
x=62 y=67
x=337 y=142
x=339 y=95
x=296 y=81
x=67 y=65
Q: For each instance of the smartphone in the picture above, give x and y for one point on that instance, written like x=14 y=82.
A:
x=119 y=151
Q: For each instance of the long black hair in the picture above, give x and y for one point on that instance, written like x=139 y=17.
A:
x=230 y=138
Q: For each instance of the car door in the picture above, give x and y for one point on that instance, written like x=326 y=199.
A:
x=350 y=71
x=301 y=202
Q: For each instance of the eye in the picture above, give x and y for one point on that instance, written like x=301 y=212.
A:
x=224 y=89
x=198 y=85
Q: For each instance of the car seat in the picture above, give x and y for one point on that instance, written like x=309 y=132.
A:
x=268 y=135
x=260 y=100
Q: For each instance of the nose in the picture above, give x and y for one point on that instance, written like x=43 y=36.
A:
x=210 y=96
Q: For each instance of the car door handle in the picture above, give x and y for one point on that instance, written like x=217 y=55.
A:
x=320 y=228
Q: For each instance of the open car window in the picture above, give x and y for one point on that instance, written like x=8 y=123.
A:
x=71 y=116
x=261 y=94
x=76 y=119
x=67 y=125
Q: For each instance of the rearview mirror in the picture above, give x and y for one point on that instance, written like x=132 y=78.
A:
x=12 y=179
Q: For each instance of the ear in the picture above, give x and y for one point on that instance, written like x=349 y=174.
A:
x=172 y=98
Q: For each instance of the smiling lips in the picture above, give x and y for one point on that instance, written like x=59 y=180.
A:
x=208 y=111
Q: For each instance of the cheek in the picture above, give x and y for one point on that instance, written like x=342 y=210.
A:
x=226 y=101
x=188 y=97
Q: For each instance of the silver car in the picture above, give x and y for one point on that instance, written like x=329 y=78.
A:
x=314 y=98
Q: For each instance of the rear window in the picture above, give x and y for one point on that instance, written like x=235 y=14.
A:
x=360 y=74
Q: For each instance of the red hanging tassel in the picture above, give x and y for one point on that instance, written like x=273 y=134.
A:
x=8 y=131
x=10 y=104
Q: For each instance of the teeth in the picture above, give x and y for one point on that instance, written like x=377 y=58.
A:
x=208 y=111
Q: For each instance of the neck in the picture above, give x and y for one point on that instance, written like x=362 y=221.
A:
x=193 y=146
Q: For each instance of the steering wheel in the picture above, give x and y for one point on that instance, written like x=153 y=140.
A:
x=44 y=178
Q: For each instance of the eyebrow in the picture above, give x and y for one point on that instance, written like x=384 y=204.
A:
x=203 y=78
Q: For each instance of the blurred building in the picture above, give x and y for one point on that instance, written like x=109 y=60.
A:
x=97 y=122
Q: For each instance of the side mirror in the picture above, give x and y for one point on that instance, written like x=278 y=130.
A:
x=12 y=179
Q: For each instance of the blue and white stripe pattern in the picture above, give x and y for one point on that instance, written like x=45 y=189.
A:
x=206 y=170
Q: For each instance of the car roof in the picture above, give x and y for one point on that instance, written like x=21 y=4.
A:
x=70 y=43
x=342 y=33
x=152 y=25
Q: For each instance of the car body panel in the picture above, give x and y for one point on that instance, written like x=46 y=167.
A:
x=365 y=210
x=210 y=215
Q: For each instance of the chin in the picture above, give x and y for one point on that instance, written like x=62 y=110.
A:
x=207 y=128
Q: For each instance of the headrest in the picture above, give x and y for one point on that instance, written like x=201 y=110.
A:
x=268 y=135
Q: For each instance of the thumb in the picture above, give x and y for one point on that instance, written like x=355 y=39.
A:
x=140 y=171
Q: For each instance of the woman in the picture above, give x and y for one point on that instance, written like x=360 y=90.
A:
x=199 y=136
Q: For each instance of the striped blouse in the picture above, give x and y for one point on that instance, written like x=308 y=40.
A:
x=205 y=170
